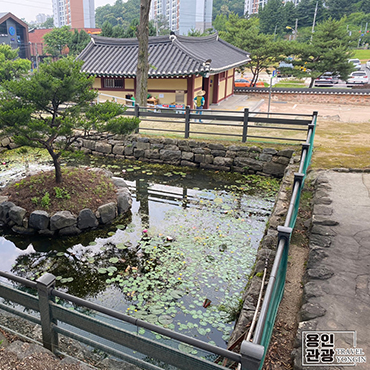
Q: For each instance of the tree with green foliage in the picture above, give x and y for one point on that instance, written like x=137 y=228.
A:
x=339 y=8
x=49 y=23
x=226 y=7
x=118 y=31
x=107 y=29
x=131 y=31
x=196 y=33
x=11 y=66
x=78 y=42
x=220 y=22
x=120 y=13
x=57 y=40
x=246 y=35
x=328 y=51
x=306 y=12
x=52 y=109
x=273 y=18
x=363 y=6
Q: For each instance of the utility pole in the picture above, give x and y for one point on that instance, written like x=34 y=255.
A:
x=314 y=20
x=295 y=29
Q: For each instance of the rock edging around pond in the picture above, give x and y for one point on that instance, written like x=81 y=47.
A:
x=191 y=153
x=64 y=223
x=267 y=250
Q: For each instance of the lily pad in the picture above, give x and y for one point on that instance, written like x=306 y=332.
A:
x=165 y=320
x=177 y=294
x=121 y=246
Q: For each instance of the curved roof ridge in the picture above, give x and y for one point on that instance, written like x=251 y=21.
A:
x=195 y=39
x=191 y=53
x=128 y=41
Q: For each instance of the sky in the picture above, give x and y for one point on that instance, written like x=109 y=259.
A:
x=28 y=9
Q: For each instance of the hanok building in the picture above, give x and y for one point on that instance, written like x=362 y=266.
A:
x=179 y=67
x=14 y=32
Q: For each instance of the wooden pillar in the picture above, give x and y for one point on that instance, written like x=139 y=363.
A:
x=190 y=87
x=206 y=88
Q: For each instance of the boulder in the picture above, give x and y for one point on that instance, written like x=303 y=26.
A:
x=248 y=163
x=62 y=219
x=86 y=219
x=223 y=161
x=39 y=220
x=118 y=149
x=4 y=211
x=119 y=182
x=69 y=231
x=107 y=212
x=17 y=214
x=170 y=155
x=22 y=230
x=103 y=147
x=124 y=201
x=274 y=169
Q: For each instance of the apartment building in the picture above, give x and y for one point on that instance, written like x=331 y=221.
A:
x=74 y=13
x=252 y=6
x=183 y=15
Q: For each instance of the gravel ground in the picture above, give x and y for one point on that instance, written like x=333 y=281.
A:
x=17 y=354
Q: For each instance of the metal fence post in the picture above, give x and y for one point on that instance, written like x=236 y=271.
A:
x=44 y=286
x=245 y=125
x=187 y=122
x=137 y=114
x=252 y=355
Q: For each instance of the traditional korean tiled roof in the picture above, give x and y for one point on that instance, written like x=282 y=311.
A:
x=171 y=55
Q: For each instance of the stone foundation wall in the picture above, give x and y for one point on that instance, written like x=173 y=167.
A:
x=212 y=156
x=324 y=98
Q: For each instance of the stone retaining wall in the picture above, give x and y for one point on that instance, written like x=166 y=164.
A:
x=266 y=254
x=323 y=98
x=211 y=156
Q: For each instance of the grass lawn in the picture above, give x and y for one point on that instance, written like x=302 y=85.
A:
x=363 y=55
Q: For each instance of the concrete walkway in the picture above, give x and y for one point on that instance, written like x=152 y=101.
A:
x=337 y=291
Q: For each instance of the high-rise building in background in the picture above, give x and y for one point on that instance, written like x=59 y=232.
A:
x=41 y=18
x=252 y=6
x=74 y=13
x=183 y=15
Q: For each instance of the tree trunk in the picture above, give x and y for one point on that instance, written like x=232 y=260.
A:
x=142 y=35
x=57 y=167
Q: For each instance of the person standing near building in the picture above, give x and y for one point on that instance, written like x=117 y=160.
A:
x=199 y=102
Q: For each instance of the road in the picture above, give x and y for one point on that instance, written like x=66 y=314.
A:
x=266 y=78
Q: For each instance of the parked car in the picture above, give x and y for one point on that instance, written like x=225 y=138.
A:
x=327 y=79
x=358 y=77
x=284 y=69
x=356 y=62
x=367 y=64
x=244 y=82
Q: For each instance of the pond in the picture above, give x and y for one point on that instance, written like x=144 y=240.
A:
x=180 y=259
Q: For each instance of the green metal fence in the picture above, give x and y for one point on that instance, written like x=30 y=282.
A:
x=255 y=351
